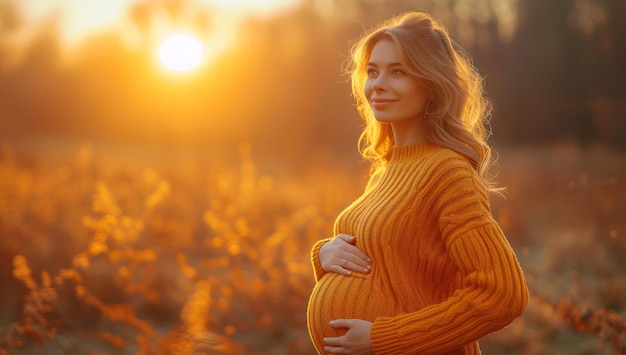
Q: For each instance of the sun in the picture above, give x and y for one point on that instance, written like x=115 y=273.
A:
x=181 y=53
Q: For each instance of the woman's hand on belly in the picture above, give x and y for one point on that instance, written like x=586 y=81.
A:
x=340 y=255
x=355 y=341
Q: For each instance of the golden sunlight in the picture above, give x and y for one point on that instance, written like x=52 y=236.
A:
x=78 y=20
x=254 y=6
x=181 y=53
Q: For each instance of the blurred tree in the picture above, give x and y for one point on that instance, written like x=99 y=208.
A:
x=33 y=94
x=9 y=17
x=144 y=14
x=10 y=22
x=554 y=70
x=563 y=56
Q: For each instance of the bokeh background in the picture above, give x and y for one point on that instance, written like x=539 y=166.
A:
x=148 y=211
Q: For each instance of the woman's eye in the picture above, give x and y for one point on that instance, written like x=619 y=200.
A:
x=371 y=72
x=398 y=72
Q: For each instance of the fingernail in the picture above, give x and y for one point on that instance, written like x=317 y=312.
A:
x=366 y=270
x=331 y=323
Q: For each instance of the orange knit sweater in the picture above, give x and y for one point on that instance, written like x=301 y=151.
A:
x=443 y=274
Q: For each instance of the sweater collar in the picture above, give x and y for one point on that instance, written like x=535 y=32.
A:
x=399 y=154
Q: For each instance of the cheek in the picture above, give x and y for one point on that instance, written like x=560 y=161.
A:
x=420 y=95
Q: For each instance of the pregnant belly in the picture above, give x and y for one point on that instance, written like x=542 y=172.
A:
x=336 y=296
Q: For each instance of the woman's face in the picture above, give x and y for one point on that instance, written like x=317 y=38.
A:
x=395 y=96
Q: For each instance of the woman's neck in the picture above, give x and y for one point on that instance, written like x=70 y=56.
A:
x=408 y=132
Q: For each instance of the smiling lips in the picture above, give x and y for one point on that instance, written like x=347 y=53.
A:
x=382 y=103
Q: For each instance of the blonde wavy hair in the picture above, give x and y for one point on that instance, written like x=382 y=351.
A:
x=456 y=118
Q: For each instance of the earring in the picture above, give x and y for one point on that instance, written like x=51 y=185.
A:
x=426 y=109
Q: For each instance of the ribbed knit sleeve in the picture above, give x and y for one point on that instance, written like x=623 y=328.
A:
x=493 y=291
x=318 y=271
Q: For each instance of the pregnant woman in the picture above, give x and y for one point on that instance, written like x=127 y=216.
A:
x=417 y=265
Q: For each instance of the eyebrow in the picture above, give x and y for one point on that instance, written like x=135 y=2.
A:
x=394 y=64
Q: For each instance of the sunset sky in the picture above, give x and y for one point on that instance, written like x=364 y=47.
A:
x=108 y=68
x=79 y=19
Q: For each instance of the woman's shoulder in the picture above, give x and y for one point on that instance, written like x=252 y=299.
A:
x=445 y=159
x=449 y=167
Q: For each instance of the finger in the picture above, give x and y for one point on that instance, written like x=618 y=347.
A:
x=348 y=247
x=347 y=238
x=357 y=257
x=340 y=270
x=336 y=341
x=358 y=265
x=340 y=323
x=356 y=252
x=335 y=350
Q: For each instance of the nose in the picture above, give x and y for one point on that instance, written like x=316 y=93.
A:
x=380 y=83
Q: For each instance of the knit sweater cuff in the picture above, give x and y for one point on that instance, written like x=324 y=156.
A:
x=384 y=337
x=318 y=271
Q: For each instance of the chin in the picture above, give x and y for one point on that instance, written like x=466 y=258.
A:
x=383 y=119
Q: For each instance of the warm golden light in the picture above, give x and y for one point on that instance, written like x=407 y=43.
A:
x=181 y=53
x=254 y=6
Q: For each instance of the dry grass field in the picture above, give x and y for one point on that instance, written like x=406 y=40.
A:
x=106 y=252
